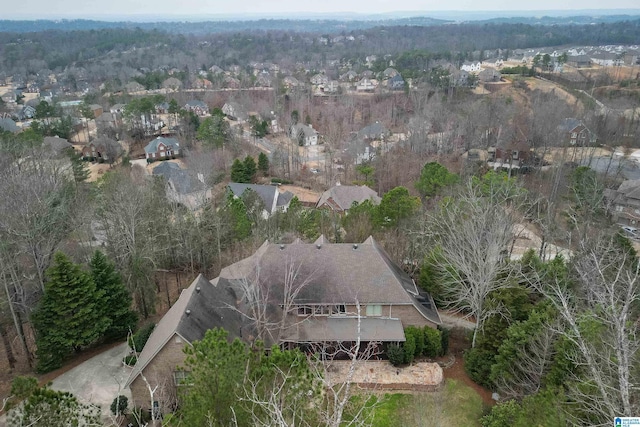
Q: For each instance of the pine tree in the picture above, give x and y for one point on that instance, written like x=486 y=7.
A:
x=250 y=169
x=116 y=302
x=263 y=164
x=237 y=171
x=68 y=317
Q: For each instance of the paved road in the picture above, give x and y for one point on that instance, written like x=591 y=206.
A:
x=99 y=379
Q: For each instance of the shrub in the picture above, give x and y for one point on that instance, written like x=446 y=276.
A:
x=409 y=348
x=139 y=339
x=477 y=363
x=418 y=338
x=119 y=405
x=432 y=342
x=130 y=360
x=23 y=386
x=395 y=353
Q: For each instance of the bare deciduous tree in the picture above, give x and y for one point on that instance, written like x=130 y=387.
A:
x=473 y=234
x=600 y=321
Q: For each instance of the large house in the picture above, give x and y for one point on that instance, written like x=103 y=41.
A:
x=624 y=203
x=270 y=195
x=197 y=107
x=184 y=186
x=340 y=198
x=310 y=294
x=574 y=132
x=102 y=149
x=162 y=148
x=305 y=135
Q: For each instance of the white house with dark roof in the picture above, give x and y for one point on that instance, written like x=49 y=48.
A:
x=303 y=134
x=343 y=292
x=162 y=148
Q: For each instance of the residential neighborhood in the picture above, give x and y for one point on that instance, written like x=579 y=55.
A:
x=378 y=218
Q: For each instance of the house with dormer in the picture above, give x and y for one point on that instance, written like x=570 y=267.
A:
x=161 y=148
x=342 y=292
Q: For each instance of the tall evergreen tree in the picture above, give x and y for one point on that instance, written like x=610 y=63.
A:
x=263 y=164
x=250 y=169
x=237 y=171
x=68 y=317
x=116 y=302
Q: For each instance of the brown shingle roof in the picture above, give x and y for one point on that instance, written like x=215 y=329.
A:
x=343 y=196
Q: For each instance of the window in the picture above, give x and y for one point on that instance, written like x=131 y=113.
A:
x=181 y=378
x=514 y=154
x=574 y=135
x=374 y=310
x=619 y=208
x=304 y=310
x=339 y=309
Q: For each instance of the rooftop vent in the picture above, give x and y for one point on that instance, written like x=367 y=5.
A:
x=318 y=246
x=188 y=312
x=281 y=247
x=355 y=246
x=198 y=289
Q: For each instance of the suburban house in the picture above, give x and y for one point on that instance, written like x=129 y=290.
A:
x=349 y=76
x=102 y=149
x=365 y=85
x=340 y=198
x=56 y=146
x=396 y=82
x=270 y=195
x=235 y=111
x=489 y=75
x=107 y=121
x=574 y=132
x=373 y=132
x=319 y=79
x=339 y=292
x=624 y=203
x=8 y=125
x=579 y=61
x=606 y=59
x=389 y=73
x=513 y=155
x=305 y=135
x=183 y=186
x=471 y=67
x=161 y=148
x=199 y=108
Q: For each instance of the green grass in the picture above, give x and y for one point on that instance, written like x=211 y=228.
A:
x=454 y=405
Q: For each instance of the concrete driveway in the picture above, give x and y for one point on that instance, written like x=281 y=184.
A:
x=98 y=380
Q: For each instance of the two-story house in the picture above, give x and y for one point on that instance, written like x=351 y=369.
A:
x=197 y=107
x=304 y=135
x=311 y=295
x=624 y=203
x=574 y=132
x=161 y=148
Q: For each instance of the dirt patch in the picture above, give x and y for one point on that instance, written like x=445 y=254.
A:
x=547 y=86
x=454 y=364
x=305 y=195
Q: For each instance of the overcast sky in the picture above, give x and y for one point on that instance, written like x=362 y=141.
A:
x=38 y=9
